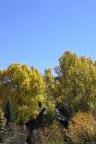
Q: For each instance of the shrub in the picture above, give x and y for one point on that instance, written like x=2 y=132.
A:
x=2 y=124
x=81 y=128
x=52 y=133
x=2 y=119
x=14 y=134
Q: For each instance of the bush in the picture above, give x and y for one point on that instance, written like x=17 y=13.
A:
x=2 y=124
x=52 y=133
x=2 y=119
x=81 y=128
x=14 y=134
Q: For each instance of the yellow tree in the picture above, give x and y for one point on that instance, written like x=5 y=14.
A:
x=78 y=81
x=25 y=86
x=50 y=89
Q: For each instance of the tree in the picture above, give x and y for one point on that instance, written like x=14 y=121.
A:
x=78 y=81
x=50 y=88
x=25 y=90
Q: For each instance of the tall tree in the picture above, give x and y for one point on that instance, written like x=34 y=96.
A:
x=50 y=88
x=25 y=86
x=78 y=81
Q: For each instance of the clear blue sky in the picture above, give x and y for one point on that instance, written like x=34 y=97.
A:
x=37 y=32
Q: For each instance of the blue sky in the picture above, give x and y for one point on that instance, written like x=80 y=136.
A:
x=37 y=32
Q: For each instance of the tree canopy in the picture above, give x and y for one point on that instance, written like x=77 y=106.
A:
x=74 y=85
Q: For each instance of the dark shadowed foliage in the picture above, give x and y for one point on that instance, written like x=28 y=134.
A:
x=36 y=123
x=63 y=113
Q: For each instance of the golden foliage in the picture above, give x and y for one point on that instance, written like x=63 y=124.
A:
x=82 y=128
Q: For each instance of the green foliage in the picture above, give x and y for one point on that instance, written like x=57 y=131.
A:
x=49 y=90
x=25 y=89
x=74 y=85
x=78 y=82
